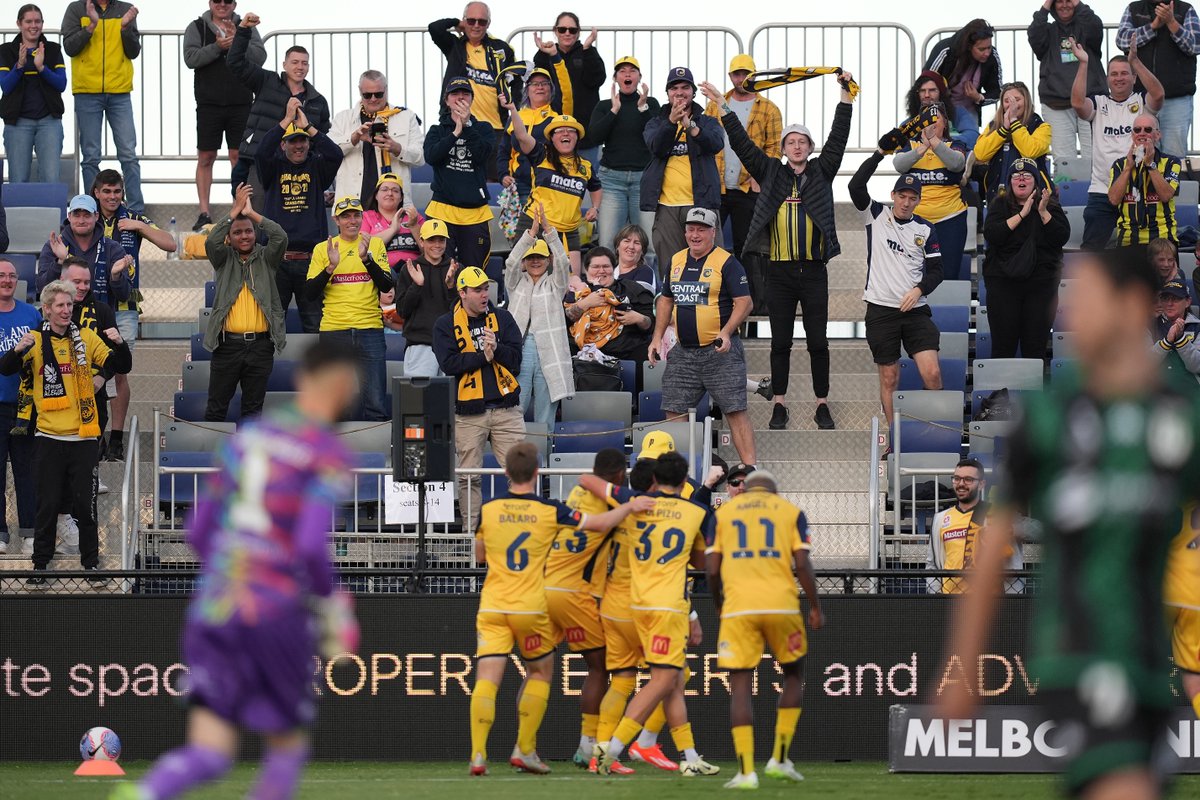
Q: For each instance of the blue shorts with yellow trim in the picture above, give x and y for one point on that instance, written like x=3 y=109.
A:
x=498 y=633
x=741 y=639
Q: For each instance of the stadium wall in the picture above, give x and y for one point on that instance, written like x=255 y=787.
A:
x=114 y=661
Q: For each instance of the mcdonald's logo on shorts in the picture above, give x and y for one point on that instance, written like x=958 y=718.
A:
x=533 y=642
x=575 y=635
x=795 y=640
x=660 y=645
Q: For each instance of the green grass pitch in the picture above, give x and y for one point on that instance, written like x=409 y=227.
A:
x=438 y=781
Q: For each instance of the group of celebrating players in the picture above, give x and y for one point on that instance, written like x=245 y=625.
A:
x=606 y=573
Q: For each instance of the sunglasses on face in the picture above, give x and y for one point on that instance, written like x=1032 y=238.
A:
x=223 y=2
x=736 y=481
x=373 y=95
x=1143 y=130
x=476 y=21
x=566 y=29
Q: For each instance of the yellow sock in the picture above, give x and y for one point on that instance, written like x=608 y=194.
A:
x=657 y=719
x=530 y=712
x=483 y=714
x=682 y=736
x=613 y=705
x=743 y=745
x=1196 y=704
x=591 y=723
x=627 y=730
x=785 y=729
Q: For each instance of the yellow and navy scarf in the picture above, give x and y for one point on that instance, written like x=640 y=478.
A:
x=470 y=384
x=770 y=78
x=385 y=165
x=909 y=129
x=54 y=391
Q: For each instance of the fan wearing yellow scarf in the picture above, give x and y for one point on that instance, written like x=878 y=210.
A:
x=479 y=345
x=66 y=448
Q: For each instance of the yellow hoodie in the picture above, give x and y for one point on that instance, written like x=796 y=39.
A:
x=102 y=60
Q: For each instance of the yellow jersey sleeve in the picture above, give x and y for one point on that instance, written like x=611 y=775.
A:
x=518 y=532
x=319 y=261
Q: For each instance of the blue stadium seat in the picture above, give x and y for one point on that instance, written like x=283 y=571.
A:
x=1187 y=215
x=493 y=486
x=395 y=347
x=952 y=318
x=954 y=375
x=190 y=406
x=983 y=344
x=982 y=292
x=1073 y=193
x=368 y=485
x=567 y=440
x=37 y=195
x=938 y=436
x=283 y=376
x=198 y=351
x=1059 y=366
x=26 y=264
x=629 y=376
x=210 y=293
x=422 y=174
x=1011 y=373
x=176 y=490
x=978 y=395
x=291 y=320
x=650 y=407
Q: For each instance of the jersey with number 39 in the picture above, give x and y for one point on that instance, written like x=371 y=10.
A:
x=660 y=547
x=757 y=534
x=517 y=532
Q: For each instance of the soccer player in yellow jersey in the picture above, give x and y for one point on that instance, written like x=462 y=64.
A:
x=662 y=544
x=1181 y=593
x=514 y=538
x=574 y=615
x=759 y=538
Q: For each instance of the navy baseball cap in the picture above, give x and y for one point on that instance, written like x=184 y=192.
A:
x=909 y=183
x=1176 y=289
x=680 y=75
x=459 y=85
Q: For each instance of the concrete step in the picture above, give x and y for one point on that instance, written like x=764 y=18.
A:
x=846 y=357
x=847 y=416
x=799 y=445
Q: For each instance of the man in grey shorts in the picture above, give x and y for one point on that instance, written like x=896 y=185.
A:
x=706 y=297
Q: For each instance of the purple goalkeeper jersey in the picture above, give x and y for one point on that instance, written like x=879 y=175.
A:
x=261 y=523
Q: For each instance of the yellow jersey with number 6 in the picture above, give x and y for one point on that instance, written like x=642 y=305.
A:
x=757 y=534
x=660 y=546
x=517 y=531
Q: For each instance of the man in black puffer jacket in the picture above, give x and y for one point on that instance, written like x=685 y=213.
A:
x=800 y=249
x=272 y=91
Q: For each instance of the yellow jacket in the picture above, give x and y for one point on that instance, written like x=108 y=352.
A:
x=764 y=126
x=101 y=59
x=1029 y=143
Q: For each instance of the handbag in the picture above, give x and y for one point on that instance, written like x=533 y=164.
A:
x=593 y=376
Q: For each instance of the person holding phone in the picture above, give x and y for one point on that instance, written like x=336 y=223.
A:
x=376 y=139
x=33 y=77
x=1025 y=232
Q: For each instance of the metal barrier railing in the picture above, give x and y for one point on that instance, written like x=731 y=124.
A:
x=131 y=494
x=887 y=47
x=1018 y=63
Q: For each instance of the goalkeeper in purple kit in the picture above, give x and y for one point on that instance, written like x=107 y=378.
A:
x=249 y=637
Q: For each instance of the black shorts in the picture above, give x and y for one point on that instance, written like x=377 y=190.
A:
x=212 y=121
x=1096 y=749
x=888 y=327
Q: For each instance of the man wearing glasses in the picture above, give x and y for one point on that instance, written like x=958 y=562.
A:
x=470 y=51
x=1142 y=185
x=956 y=531
x=376 y=138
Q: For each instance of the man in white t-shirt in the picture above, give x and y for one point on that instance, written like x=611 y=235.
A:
x=1112 y=117
x=904 y=266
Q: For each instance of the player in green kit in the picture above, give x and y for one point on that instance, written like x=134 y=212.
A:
x=1103 y=459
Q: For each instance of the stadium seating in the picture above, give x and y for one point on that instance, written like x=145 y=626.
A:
x=395 y=347
x=282 y=377
x=29 y=226
x=291 y=320
x=37 y=195
x=210 y=293
x=954 y=374
x=1058 y=366
x=954 y=345
x=569 y=436
x=677 y=430
x=491 y=485
x=952 y=318
x=365 y=437
x=180 y=490
x=1073 y=193
x=538 y=435
x=650 y=407
x=929 y=405
x=599 y=405
x=951 y=293
x=1187 y=212
x=1063 y=344
x=629 y=376
x=652 y=375
x=1011 y=373
x=983 y=344
x=207 y=437
x=1075 y=217
x=942 y=462
x=984 y=437
x=190 y=406
x=198 y=351
x=26 y=264
x=195 y=376
x=936 y=436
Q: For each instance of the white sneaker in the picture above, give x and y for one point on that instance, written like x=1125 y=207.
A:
x=3 y=547
x=741 y=781
x=690 y=769
x=785 y=770
x=101 y=486
x=68 y=535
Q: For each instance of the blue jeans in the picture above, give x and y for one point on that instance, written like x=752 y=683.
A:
x=533 y=385
x=619 y=204
x=952 y=238
x=372 y=351
x=90 y=112
x=1099 y=222
x=26 y=136
x=20 y=450
x=966 y=123
x=1175 y=120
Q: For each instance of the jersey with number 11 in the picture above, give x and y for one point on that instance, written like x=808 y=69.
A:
x=517 y=532
x=661 y=542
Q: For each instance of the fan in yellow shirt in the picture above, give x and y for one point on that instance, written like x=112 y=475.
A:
x=759 y=538
x=1181 y=593
x=514 y=539
x=667 y=539
x=571 y=568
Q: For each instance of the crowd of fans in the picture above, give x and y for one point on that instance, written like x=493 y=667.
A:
x=616 y=251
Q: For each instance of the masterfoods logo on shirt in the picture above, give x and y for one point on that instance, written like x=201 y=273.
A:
x=690 y=293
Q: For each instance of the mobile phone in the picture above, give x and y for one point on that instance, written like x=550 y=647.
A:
x=624 y=307
x=378 y=129
x=718 y=343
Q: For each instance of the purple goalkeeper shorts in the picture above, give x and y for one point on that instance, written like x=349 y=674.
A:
x=256 y=676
